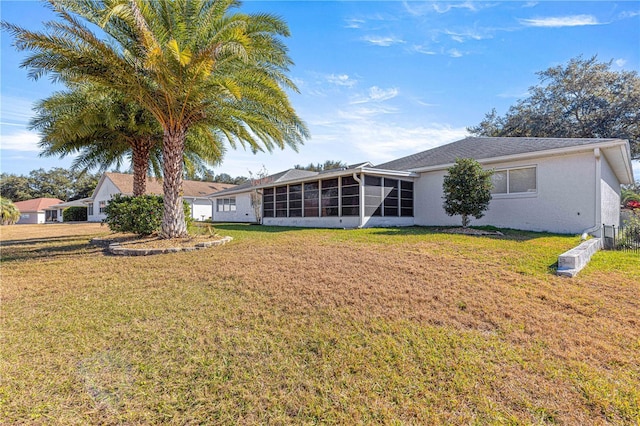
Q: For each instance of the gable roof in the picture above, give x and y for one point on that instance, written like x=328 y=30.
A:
x=190 y=188
x=286 y=175
x=36 y=204
x=482 y=148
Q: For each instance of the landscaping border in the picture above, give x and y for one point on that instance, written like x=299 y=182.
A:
x=122 y=250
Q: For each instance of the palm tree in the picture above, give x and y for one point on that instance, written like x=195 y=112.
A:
x=9 y=213
x=104 y=129
x=188 y=62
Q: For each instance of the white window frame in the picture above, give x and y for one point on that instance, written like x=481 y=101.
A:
x=226 y=205
x=517 y=194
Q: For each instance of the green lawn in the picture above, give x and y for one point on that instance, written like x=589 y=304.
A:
x=302 y=326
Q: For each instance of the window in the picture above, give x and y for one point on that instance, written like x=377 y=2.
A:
x=311 y=197
x=391 y=197
x=267 y=203
x=372 y=196
x=329 y=197
x=102 y=205
x=226 y=204
x=281 y=201
x=90 y=209
x=295 y=200
x=350 y=196
x=406 y=198
x=514 y=181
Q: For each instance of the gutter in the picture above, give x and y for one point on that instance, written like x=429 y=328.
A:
x=598 y=189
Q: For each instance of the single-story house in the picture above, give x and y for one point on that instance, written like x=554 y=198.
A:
x=196 y=193
x=557 y=185
x=35 y=211
x=55 y=211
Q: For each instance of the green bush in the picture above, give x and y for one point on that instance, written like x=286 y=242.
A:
x=74 y=214
x=9 y=213
x=139 y=215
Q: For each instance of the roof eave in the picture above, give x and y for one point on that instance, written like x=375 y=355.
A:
x=532 y=154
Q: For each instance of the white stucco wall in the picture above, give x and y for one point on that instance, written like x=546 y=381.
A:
x=244 y=211
x=105 y=192
x=564 y=201
x=610 y=194
x=200 y=208
x=31 y=218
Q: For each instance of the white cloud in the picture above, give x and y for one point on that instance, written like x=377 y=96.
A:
x=341 y=80
x=22 y=140
x=354 y=23
x=376 y=94
x=454 y=53
x=561 y=21
x=461 y=36
x=422 y=49
x=382 y=41
x=620 y=62
x=629 y=14
x=383 y=141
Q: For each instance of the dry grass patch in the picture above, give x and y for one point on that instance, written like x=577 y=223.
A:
x=318 y=326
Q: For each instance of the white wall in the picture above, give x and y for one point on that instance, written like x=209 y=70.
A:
x=564 y=201
x=105 y=192
x=610 y=195
x=31 y=217
x=244 y=211
x=200 y=208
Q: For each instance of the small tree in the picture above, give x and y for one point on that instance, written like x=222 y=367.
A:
x=467 y=190
x=261 y=177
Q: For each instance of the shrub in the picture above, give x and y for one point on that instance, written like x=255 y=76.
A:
x=74 y=214
x=467 y=190
x=139 y=215
x=9 y=213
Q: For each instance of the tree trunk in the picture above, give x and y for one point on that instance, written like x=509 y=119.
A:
x=465 y=221
x=173 y=220
x=141 y=151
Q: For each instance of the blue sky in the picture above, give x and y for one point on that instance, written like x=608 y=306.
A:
x=379 y=79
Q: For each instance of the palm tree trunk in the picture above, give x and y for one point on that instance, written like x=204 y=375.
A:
x=141 y=151
x=173 y=220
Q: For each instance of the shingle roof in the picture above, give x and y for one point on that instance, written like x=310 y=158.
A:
x=190 y=188
x=484 y=148
x=283 y=176
x=36 y=205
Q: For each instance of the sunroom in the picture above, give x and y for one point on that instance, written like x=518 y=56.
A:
x=346 y=198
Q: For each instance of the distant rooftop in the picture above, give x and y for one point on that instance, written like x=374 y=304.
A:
x=190 y=188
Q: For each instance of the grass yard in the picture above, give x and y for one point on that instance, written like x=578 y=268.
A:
x=302 y=326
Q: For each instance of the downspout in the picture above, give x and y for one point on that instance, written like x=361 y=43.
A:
x=212 y=208
x=598 y=217
x=361 y=206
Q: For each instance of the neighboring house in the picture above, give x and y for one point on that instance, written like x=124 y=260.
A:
x=241 y=203
x=194 y=192
x=540 y=184
x=55 y=211
x=34 y=211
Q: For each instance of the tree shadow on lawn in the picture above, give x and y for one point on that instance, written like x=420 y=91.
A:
x=254 y=227
x=26 y=252
x=40 y=240
x=508 y=234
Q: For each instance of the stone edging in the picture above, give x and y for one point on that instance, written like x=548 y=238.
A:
x=120 y=250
